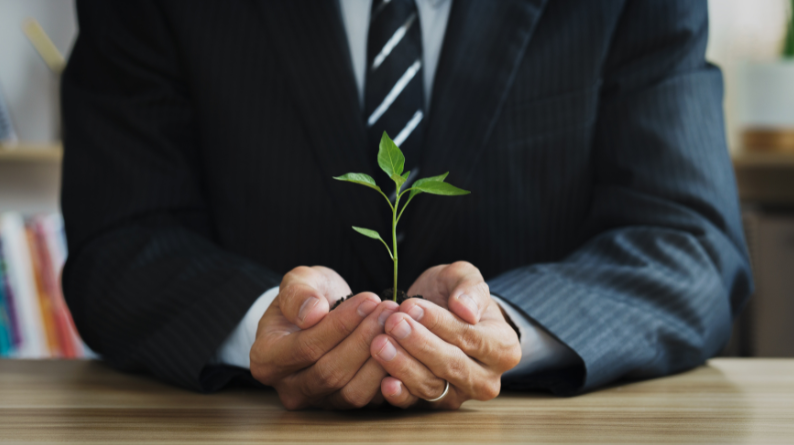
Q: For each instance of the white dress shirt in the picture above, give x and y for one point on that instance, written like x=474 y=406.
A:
x=540 y=351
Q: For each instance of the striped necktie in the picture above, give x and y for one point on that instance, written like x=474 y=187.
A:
x=394 y=97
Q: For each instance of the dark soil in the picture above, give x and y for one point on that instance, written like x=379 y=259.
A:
x=339 y=301
x=388 y=294
x=385 y=295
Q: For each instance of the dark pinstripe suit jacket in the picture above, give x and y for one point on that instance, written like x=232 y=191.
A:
x=201 y=138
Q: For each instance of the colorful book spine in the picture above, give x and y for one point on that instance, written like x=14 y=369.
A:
x=51 y=227
x=6 y=341
x=11 y=312
x=22 y=281
x=35 y=321
x=49 y=270
x=48 y=309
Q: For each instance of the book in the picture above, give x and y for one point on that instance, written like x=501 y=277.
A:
x=48 y=309
x=56 y=241
x=18 y=266
x=5 y=288
x=6 y=342
x=50 y=259
x=35 y=321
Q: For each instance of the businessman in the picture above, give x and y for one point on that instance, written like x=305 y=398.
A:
x=601 y=241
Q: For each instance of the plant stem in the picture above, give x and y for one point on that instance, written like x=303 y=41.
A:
x=394 y=240
x=387 y=200
x=406 y=204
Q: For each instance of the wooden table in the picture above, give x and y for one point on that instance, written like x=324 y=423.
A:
x=728 y=401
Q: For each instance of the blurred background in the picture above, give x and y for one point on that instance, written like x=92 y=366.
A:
x=751 y=40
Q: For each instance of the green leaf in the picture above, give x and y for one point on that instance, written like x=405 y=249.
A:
x=358 y=178
x=368 y=233
x=374 y=235
x=390 y=158
x=439 y=188
x=400 y=180
x=416 y=191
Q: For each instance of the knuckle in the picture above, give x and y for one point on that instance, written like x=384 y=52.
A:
x=425 y=348
x=471 y=340
x=489 y=389
x=339 y=325
x=328 y=378
x=301 y=270
x=456 y=371
x=264 y=374
x=508 y=351
x=450 y=272
x=510 y=358
x=261 y=367
x=461 y=265
x=308 y=351
x=430 y=390
x=432 y=321
x=291 y=401
x=354 y=399
x=288 y=295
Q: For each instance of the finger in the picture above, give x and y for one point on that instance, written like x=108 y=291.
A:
x=442 y=359
x=468 y=292
x=340 y=365
x=395 y=393
x=416 y=377
x=362 y=389
x=306 y=293
x=428 y=286
x=492 y=341
x=284 y=350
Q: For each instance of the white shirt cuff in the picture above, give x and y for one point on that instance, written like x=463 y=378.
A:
x=236 y=350
x=539 y=350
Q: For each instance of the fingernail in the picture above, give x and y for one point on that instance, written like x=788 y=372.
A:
x=402 y=330
x=469 y=303
x=306 y=307
x=399 y=390
x=387 y=352
x=366 y=308
x=416 y=312
x=384 y=315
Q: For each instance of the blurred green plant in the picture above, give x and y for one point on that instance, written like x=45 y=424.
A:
x=788 y=43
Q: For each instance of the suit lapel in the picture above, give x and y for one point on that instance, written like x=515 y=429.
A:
x=313 y=47
x=484 y=44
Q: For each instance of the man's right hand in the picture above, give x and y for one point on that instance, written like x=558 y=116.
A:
x=313 y=357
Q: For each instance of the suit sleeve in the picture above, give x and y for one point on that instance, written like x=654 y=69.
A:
x=148 y=285
x=664 y=269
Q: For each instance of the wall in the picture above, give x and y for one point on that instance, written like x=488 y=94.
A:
x=29 y=87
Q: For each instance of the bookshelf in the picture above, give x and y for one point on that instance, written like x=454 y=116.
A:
x=31 y=152
x=765 y=178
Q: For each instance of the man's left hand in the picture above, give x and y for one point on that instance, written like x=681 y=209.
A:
x=456 y=334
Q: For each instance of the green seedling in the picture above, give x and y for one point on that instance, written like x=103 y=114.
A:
x=392 y=162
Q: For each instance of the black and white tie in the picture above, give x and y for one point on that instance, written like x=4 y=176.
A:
x=394 y=99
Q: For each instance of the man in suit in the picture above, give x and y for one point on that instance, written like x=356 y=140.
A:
x=602 y=238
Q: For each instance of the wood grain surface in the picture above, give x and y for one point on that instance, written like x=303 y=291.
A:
x=727 y=401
